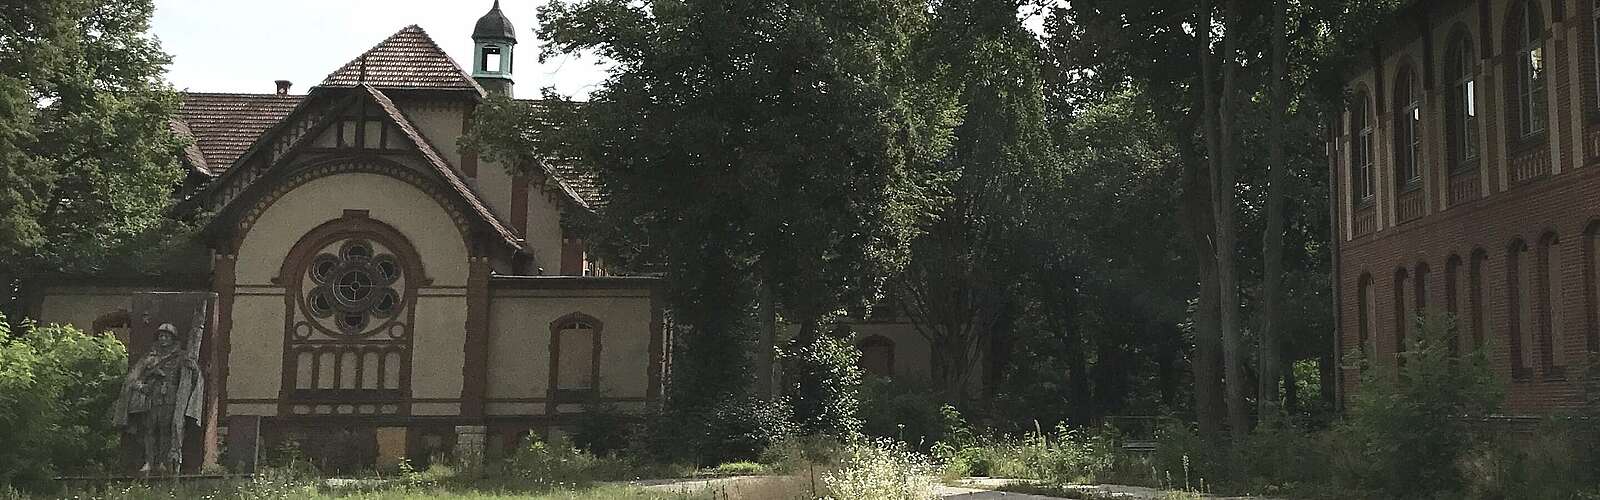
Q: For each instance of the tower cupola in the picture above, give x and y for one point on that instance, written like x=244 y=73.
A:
x=493 y=41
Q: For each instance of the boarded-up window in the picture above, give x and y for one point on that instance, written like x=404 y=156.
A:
x=1402 y=316
x=577 y=351
x=1519 y=284
x=1550 y=300
x=877 y=356
x=1476 y=310
x=1367 y=322
x=1591 y=238
x=1454 y=289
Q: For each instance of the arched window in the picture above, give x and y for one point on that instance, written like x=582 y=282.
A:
x=1408 y=129
x=1591 y=285
x=1452 y=303
x=1361 y=187
x=1550 y=299
x=1366 y=321
x=1421 y=286
x=1402 y=318
x=574 y=357
x=1477 y=319
x=1594 y=34
x=1461 y=118
x=1528 y=24
x=877 y=356
x=1519 y=302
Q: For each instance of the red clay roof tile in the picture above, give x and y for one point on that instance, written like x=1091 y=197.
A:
x=408 y=59
x=224 y=125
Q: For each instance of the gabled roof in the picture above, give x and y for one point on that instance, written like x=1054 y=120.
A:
x=446 y=171
x=225 y=125
x=192 y=156
x=575 y=179
x=409 y=59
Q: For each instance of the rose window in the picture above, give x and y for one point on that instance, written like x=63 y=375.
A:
x=355 y=288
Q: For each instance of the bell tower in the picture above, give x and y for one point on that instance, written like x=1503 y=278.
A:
x=493 y=41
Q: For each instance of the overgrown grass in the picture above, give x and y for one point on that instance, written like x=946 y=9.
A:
x=738 y=469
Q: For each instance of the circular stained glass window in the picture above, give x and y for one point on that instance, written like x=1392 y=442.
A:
x=354 y=286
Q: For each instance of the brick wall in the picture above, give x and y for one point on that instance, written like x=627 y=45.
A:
x=1543 y=192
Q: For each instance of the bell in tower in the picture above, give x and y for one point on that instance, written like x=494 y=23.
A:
x=493 y=40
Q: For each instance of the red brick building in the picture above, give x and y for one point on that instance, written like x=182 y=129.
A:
x=1466 y=179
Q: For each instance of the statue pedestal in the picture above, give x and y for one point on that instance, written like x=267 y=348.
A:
x=469 y=445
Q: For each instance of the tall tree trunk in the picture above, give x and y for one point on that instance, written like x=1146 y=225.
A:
x=1207 y=361
x=1220 y=141
x=1291 y=392
x=766 y=346
x=1272 y=239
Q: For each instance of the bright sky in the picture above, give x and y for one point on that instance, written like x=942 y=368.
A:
x=243 y=45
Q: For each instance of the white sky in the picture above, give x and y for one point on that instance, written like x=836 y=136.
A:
x=243 y=45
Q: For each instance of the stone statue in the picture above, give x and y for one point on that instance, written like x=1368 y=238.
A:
x=162 y=396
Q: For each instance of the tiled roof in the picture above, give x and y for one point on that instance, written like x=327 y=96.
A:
x=407 y=60
x=444 y=169
x=192 y=156
x=577 y=179
x=225 y=125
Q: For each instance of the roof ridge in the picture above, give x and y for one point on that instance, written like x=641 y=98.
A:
x=443 y=167
x=409 y=58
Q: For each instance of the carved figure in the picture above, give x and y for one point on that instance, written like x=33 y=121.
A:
x=162 y=396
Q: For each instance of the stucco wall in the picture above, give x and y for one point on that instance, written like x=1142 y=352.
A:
x=256 y=354
x=79 y=306
x=519 y=352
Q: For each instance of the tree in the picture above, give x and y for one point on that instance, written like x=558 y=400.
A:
x=956 y=287
x=767 y=147
x=87 y=161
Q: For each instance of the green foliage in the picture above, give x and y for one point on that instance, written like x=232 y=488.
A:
x=1407 y=428
x=544 y=465
x=743 y=468
x=604 y=429
x=881 y=469
x=823 y=384
x=57 y=386
x=902 y=410
x=1066 y=455
x=1002 y=162
x=87 y=162
x=737 y=429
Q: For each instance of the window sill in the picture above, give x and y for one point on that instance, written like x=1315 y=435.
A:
x=1469 y=167
x=1411 y=186
x=1518 y=147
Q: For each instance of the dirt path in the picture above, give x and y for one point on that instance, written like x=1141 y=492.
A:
x=976 y=488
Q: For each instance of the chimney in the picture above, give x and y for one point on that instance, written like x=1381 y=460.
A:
x=283 y=87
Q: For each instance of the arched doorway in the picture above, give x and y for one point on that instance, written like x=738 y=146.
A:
x=877 y=356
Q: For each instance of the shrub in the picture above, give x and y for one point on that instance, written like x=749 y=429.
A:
x=735 y=429
x=910 y=413
x=1408 y=427
x=1556 y=461
x=881 y=469
x=604 y=429
x=539 y=464
x=57 y=386
x=824 y=387
x=740 y=469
